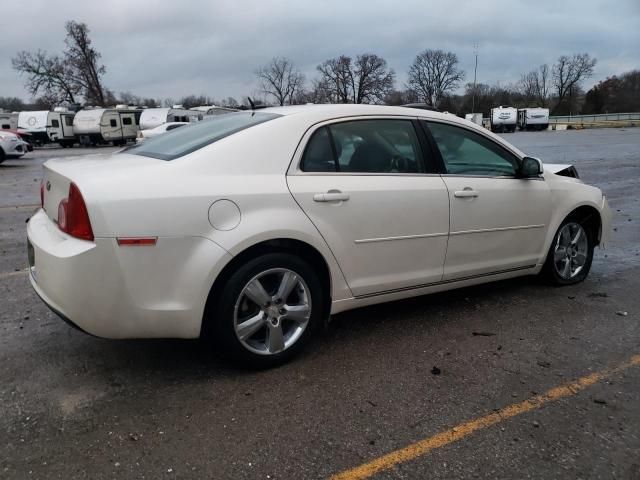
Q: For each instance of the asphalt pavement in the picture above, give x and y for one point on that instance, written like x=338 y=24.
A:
x=512 y=380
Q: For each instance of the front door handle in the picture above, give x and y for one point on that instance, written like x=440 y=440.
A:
x=331 y=196
x=466 y=193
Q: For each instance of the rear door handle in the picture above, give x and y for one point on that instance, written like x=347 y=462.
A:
x=466 y=193
x=331 y=197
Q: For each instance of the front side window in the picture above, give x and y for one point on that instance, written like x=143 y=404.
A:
x=113 y=122
x=468 y=153
x=365 y=146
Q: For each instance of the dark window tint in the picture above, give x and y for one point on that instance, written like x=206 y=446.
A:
x=377 y=146
x=318 y=157
x=172 y=127
x=469 y=153
x=113 y=123
x=6 y=126
x=55 y=123
x=198 y=135
x=68 y=120
x=126 y=121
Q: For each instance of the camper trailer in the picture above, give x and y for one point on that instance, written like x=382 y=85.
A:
x=474 y=118
x=154 y=117
x=213 y=110
x=106 y=125
x=60 y=127
x=535 y=118
x=9 y=121
x=503 y=119
x=35 y=124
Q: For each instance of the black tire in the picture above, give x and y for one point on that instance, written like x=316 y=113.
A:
x=2 y=156
x=551 y=271
x=219 y=318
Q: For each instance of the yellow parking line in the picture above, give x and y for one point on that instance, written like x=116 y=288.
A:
x=454 y=434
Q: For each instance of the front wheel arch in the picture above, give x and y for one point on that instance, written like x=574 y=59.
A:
x=590 y=218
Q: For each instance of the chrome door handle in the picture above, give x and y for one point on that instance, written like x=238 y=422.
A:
x=331 y=197
x=466 y=193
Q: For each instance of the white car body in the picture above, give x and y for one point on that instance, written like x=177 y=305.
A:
x=399 y=235
x=159 y=130
x=11 y=146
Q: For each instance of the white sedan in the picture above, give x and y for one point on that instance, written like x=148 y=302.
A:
x=11 y=146
x=159 y=130
x=250 y=229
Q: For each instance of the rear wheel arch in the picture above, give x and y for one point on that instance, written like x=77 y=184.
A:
x=301 y=249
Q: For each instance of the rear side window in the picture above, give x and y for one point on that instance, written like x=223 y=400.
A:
x=55 y=123
x=365 y=146
x=195 y=136
x=68 y=121
x=126 y=121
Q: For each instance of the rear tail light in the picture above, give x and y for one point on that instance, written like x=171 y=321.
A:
x=73 y=217
x=42 y=193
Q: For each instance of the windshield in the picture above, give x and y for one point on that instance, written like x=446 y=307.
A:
x=182 y=141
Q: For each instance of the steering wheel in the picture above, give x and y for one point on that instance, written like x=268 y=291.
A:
x=399 y=164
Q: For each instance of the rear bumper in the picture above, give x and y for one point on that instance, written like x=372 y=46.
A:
x=123 y=292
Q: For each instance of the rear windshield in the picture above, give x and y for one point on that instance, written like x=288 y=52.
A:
x=182 y=141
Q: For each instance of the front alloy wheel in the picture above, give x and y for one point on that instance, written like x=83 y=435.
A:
x=571 y=253
x=571 y=250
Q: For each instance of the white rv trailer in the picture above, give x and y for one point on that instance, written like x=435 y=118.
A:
x=503 y=119
x=213 y=110
x=35 y=124
x=9 y=121
x=535 y=118
x=60 y=127
x=104 y=125
x=474 y=118
x=154 y=117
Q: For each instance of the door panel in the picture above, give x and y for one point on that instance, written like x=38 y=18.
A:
x=390 y=233
x=503 y=227
x=498 y=221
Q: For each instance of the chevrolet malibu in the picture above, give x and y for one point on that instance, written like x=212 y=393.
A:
x=250 y=229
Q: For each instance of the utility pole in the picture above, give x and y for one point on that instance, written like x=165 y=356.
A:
x=475 y=72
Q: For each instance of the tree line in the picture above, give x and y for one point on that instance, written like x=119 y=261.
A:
x=434 y=77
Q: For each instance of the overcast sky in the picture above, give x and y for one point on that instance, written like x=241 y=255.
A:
x=212 y=47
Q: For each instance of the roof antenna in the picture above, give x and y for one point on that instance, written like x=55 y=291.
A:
x=253 y=105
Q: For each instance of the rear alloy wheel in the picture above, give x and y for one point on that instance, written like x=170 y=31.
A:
x=267 y=310
x=571 y=254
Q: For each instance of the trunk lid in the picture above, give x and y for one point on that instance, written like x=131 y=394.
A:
x=85 y=172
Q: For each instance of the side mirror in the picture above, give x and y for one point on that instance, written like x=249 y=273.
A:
x=531 y=167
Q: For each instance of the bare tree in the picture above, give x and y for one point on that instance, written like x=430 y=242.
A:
x=535 y=85
x=569 y=72
x=280 y=79
x=47 y=75
x=11 y=104
x=433 y=74
x=368 y=79
x=84 y=63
